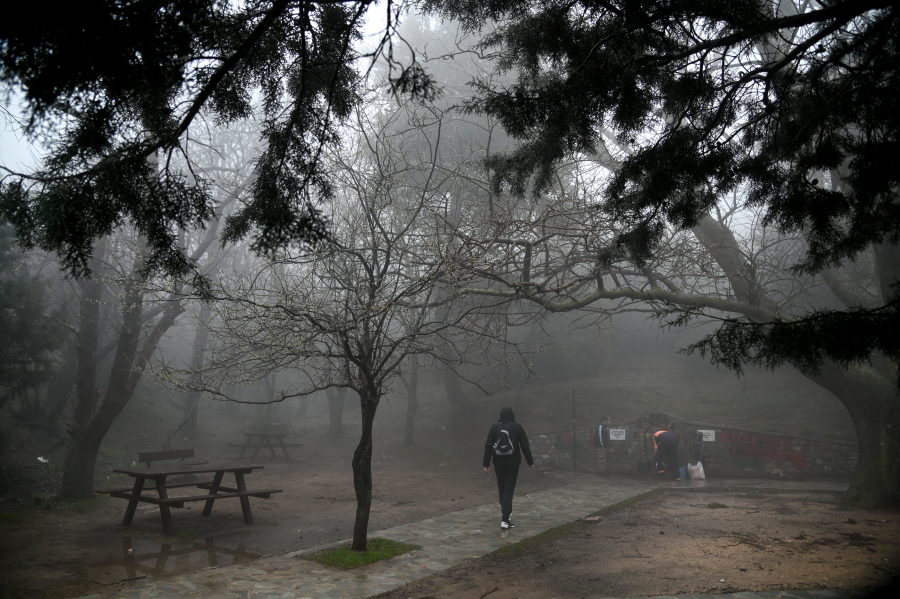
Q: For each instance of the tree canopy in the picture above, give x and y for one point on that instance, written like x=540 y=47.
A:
x=794 y=110
x=108 y=84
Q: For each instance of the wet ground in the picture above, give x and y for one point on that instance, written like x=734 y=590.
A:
x=689 y=540
x=64 y=551
x=446 y=541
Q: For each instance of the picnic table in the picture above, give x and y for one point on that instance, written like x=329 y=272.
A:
x=216 y=490
x=273 y=439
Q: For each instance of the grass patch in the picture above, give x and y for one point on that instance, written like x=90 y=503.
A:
x=564 y=530
x=377 y=550
x=716 y=506
x=186 y=536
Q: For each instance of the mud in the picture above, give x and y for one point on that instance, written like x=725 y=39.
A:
x=690 y=542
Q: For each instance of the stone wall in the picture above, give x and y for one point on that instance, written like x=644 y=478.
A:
x=733 y=452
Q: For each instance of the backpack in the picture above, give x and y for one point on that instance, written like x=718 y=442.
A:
x=504 y=444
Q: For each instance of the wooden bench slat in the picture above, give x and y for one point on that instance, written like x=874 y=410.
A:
x=222 y=488
x=173 y=454
x=113 y=490
x=266 y=429
x=159 y=471
x=195 y=484
x=129 y=495
x=265 y=445
x=264 y=493
x=201 y=485
x=180 y=501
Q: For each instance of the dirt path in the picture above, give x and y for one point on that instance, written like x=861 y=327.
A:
x=689 y=542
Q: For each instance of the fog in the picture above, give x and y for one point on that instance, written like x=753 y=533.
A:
x=484 y=297
x=623 y=368
x=611 y=263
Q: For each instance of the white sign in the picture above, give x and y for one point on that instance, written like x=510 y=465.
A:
x=617 y=434
x=708 y=435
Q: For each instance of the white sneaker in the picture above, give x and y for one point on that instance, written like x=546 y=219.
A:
x=506 y=525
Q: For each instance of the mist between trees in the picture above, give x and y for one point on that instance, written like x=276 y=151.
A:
x=424 y=210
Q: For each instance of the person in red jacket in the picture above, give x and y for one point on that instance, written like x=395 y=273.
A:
x=666 y=445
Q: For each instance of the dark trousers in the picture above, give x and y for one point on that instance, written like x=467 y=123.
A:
x=506 y=484
x=666 y=458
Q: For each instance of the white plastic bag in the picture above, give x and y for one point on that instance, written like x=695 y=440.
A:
x=696 y=471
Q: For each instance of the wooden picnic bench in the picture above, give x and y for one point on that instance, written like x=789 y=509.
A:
x=171 y=454
x=269 y=437
x=216 y=490
x=160 y=456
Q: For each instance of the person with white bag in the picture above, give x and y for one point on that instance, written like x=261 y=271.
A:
x=698 y=454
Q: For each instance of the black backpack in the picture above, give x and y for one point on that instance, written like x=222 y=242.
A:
x=504 y=444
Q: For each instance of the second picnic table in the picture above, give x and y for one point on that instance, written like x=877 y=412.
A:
x=265 y=439
x=215 y=490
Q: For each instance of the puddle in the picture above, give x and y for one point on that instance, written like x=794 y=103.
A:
x=116 y=562
x=139 y=559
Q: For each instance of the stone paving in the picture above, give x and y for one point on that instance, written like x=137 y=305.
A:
x=445 y=540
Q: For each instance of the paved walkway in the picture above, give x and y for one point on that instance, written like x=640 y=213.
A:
x=446 y=541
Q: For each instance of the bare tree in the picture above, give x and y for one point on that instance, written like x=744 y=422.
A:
x=411 y=384
x=350 y=314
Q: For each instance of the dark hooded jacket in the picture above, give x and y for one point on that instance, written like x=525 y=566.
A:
x=519 y=438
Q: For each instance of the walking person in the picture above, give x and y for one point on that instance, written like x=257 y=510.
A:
x=666 y=445
x=506 y=444
x=601 y=446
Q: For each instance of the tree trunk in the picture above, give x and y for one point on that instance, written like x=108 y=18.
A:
x=88 y=328
x=412 y=400
x=887 y=267
x=874 y=406
x=79 y=464
x=189 y=415
x=302 y=406
x=192 y=399
x=870 y=398
x=60 y=388
x=91 y=426
x=335 y=409
x=362 y=469
x=460 y=404
x=78 y=469
x=128 y=366
x=270 y=398
x=721 y=244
